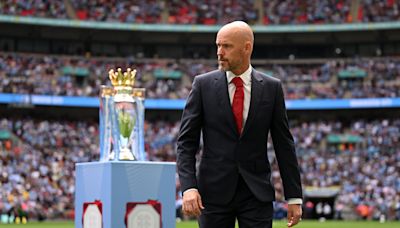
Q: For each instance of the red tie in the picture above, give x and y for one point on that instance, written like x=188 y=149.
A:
x=237 y=104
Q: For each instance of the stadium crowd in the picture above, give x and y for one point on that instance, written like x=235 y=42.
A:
x=37 y=157
x=137 y=11
x=366 y=169
x=209 y=12
x=37 y=163
x=307 y=12
x=37 y=8
x=380 y=11
x=78 y=76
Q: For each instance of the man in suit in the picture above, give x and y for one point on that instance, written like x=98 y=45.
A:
x=235 y=108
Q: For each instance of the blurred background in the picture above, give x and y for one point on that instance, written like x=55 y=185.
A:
x=339 y=61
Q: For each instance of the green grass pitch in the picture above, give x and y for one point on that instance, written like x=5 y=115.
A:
x=278 y=224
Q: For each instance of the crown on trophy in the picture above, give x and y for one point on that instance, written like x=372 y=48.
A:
x=122 y=79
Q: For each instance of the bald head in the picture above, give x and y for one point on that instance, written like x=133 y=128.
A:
x=240 y=29
x=235 y=44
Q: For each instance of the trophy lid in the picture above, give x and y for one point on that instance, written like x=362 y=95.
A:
x=126 y=79
x=122 y=85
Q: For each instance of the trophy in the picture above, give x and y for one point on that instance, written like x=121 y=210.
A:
x=122 y=118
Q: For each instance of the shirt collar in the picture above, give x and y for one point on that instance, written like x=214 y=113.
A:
x=246 y=76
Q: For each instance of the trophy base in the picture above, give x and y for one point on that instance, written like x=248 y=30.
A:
x=126 y=155
x=111 y=156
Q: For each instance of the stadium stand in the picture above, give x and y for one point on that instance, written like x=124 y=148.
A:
x=209 y=12
x=138 y=11
x=379 y=11
x=80 y=76
x=353 y=157
x=307 y=12
x=41 y=8
x=38 y=157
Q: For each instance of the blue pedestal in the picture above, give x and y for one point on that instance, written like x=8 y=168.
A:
x=117 y=183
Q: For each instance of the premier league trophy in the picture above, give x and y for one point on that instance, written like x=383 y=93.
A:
x=124 y=189
x=122 y=118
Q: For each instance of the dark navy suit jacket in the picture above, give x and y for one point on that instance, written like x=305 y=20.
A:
x=228 y=154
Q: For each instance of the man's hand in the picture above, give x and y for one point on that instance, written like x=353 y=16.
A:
x=294 y=214
x=192 y=204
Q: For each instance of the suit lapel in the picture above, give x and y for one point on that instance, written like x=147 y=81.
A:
x=256 y=95
x=224 y=104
